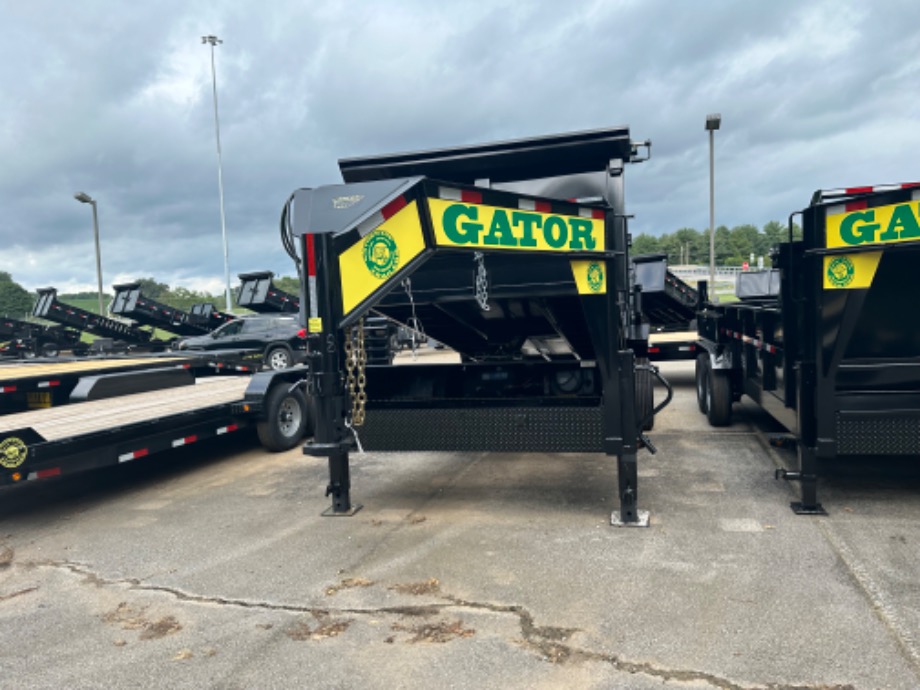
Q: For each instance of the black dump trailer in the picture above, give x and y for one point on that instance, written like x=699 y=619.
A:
x=25 y=339
x=48 y=307
x=207 y=317
x=260 y=294
x=668 y=306
x=130 y=303
x=514 y=255
x=828 y=342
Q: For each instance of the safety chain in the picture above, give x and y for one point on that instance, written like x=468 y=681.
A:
x=482 y=282
x=355 y=368
x=414 y=324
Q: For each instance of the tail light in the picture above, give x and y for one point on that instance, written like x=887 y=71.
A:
x=302 y=333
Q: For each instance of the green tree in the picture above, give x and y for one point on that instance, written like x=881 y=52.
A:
x=645 y=244
x=151 y=289
x=15 y=300
x=288 y=284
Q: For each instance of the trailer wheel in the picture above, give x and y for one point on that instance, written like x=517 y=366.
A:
x=702 y=376
x=645 y=394
x=278 y=358
x=50 y=350
x=286 y=418
x=718 y=398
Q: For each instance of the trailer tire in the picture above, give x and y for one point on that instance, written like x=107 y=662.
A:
x=718 y=398
x=702 y=380
x=645 y=395
x=50 y=350
x=286 y=418
x=278 y=358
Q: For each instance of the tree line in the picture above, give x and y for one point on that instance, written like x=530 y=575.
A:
x=732 y=247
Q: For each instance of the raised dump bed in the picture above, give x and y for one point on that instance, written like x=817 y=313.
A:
x=50 y=308
x=259 y=293
x=668 y=306
x=131 y=304
x=828 y=343
x=513 y=254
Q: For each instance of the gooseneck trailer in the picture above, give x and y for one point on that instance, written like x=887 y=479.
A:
x=828 y=342
x=513 y=254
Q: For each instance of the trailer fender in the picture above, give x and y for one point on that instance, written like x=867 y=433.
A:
x=720 y=357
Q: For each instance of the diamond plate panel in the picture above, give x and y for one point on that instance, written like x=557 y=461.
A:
x=878 y=435
x=511 y=429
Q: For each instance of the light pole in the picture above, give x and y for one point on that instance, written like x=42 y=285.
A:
x=213 y=41
x=85 y=198
x=712 y=124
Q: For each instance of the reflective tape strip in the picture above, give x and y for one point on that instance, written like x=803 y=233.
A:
x=850 y=191
x=48 y=384
x=383 y=215
x=7 y=389
x=533 y=205
x=44 y=474
x=134 y=455
x=466 y=195
x=227 y=429
x=595 y=213
x=184 y=441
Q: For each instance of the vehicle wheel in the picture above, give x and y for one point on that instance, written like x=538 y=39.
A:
x=50 y=350
x=718 y=398
x=702 y=376
x=645 y=394
x=286 y=418
x=278 y=358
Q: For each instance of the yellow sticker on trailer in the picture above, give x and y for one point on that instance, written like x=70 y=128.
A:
x=590 y=277
x=880 y=225
x=369 y=263
x=13 y=452
x=459 y=224
x=850 y=271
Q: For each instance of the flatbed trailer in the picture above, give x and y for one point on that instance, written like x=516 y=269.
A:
x=38 y=384
x=39 y=444
x=828 y=342
x=515 y=255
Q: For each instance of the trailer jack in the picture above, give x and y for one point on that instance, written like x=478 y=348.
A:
x=808 y=480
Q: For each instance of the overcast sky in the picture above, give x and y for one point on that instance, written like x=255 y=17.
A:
x=114 y=99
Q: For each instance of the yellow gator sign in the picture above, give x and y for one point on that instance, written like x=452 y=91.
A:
x=881 y=225
x=458 y=224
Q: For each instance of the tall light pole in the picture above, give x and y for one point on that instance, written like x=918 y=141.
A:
x=85 y=198
x=712 y=124
x=213 y=41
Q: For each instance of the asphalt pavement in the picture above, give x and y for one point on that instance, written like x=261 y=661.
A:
x=213 y=567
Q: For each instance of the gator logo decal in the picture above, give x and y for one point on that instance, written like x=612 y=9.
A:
x=595 y=277
x=13 y=453
x=381 y=255
x=840 y=271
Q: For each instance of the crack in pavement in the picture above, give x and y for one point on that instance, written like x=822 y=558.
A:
x=546 y=641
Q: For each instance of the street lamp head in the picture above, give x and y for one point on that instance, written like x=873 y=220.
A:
x=84 y=198
x=213 y=40
x=713 y=121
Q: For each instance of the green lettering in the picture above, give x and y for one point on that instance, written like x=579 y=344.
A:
x=581 y=233
x=528 y=222
x=853 y=234
x=903 y=225
x=500 y=231
x=467 y=233
x=555 y=232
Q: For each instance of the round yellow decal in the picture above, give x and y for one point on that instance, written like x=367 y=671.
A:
x=13 y=453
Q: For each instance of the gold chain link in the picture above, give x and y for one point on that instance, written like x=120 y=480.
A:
x=355 y=367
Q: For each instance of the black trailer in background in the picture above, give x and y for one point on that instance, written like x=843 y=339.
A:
x=48 y=307
x=25 y=339
x=668 y=306
x=259 y=293
x=540 y=317
x=130 y=303
x=828 y=342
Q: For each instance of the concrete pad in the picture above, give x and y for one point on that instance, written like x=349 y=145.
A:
x=212 y=567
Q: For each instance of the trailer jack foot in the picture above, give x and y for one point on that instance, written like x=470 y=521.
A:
x=808 y=487
x=332 y=512
x=642 y=518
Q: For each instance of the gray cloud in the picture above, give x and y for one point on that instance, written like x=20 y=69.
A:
x=115 y=99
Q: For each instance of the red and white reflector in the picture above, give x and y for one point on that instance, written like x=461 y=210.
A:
x=375 y=221
x=467 y=196
x=48 y=384
x=227 y=429
x=133 y=455
x=533 y=205
x=7 y=389
x=184 y=441
x=826 y=194
x=44 y=474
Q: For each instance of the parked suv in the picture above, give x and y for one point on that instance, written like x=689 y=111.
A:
x=282 y=341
